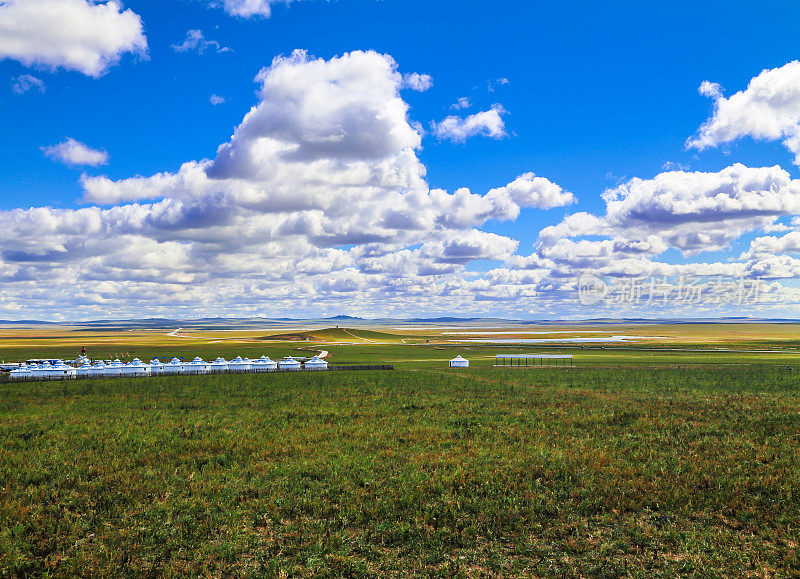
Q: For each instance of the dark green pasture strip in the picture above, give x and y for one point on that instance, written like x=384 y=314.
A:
x=589 y=472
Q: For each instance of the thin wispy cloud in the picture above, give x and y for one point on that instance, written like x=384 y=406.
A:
x=26 y=82
x=196 y=42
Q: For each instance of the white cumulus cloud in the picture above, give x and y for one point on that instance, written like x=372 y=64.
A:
x=77 y=35
x=72 y=152
x=768 y=109
x=485 y=123
x=418 y=82
x=318 y=197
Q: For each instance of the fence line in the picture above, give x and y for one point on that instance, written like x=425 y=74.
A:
x=6 y=378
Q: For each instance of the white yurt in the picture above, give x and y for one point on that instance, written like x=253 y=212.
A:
x=174 y=366
x=115 y=368
x=156 y=367
x=40 y=371
x=459 y=362
x=238 y=364
x=289 y=363
x=60 y=371
x=23 y=372
x=263 y=364
x=219 y=365
x=198 y=366
x=316 y=363
x=98 y=369
x=136 y=368
x=84 y=369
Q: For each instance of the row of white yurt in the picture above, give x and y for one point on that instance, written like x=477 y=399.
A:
x=175 y=366
x=316 y=363
x=57 y=371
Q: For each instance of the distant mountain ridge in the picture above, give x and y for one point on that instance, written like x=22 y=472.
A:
x=260 y=322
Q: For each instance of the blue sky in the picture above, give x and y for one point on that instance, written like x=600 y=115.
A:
x=595 y=94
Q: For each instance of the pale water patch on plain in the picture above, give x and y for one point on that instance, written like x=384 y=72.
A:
x=528 y=332
x=581 y=340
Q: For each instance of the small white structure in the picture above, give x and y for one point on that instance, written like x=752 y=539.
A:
x=263 y=364
x=533 y=361
x=115 y=368
x=219 y=365
x=316 y=363
x=98 y=369
x=84 y=370
x=459 y=362
x=289 y=363
x=136 y=368
x=197 y=366
x=23 y=372
x=39 y=371
x=174 y=366
x=60 y=371
x=238 y=364
x=156 y=366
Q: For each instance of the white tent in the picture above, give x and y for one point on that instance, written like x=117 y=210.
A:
x=40 y=370
x=316 y=363
x=263 y=364
x=116 y=368
x=289 y=363
x=219 y=365
x=98 y=369
x=459 y=362
x=238 y=364
x=23 y=372
x=198 y=366
x=136 y=368
x=60 y=371
x=85 y=369
x=156 y=367
x=174 y=366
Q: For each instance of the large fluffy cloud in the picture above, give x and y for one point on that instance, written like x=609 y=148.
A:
x=698 y=211
x=769 y=108
x=73 y=34
x=318 y=195
x=319 y=199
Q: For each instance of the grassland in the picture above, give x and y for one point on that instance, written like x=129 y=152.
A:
x=656 y=462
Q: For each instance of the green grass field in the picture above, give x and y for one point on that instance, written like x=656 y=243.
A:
x=662 y=458
x=587 y=472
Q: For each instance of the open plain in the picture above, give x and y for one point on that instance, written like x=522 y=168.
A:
x=672 y=453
